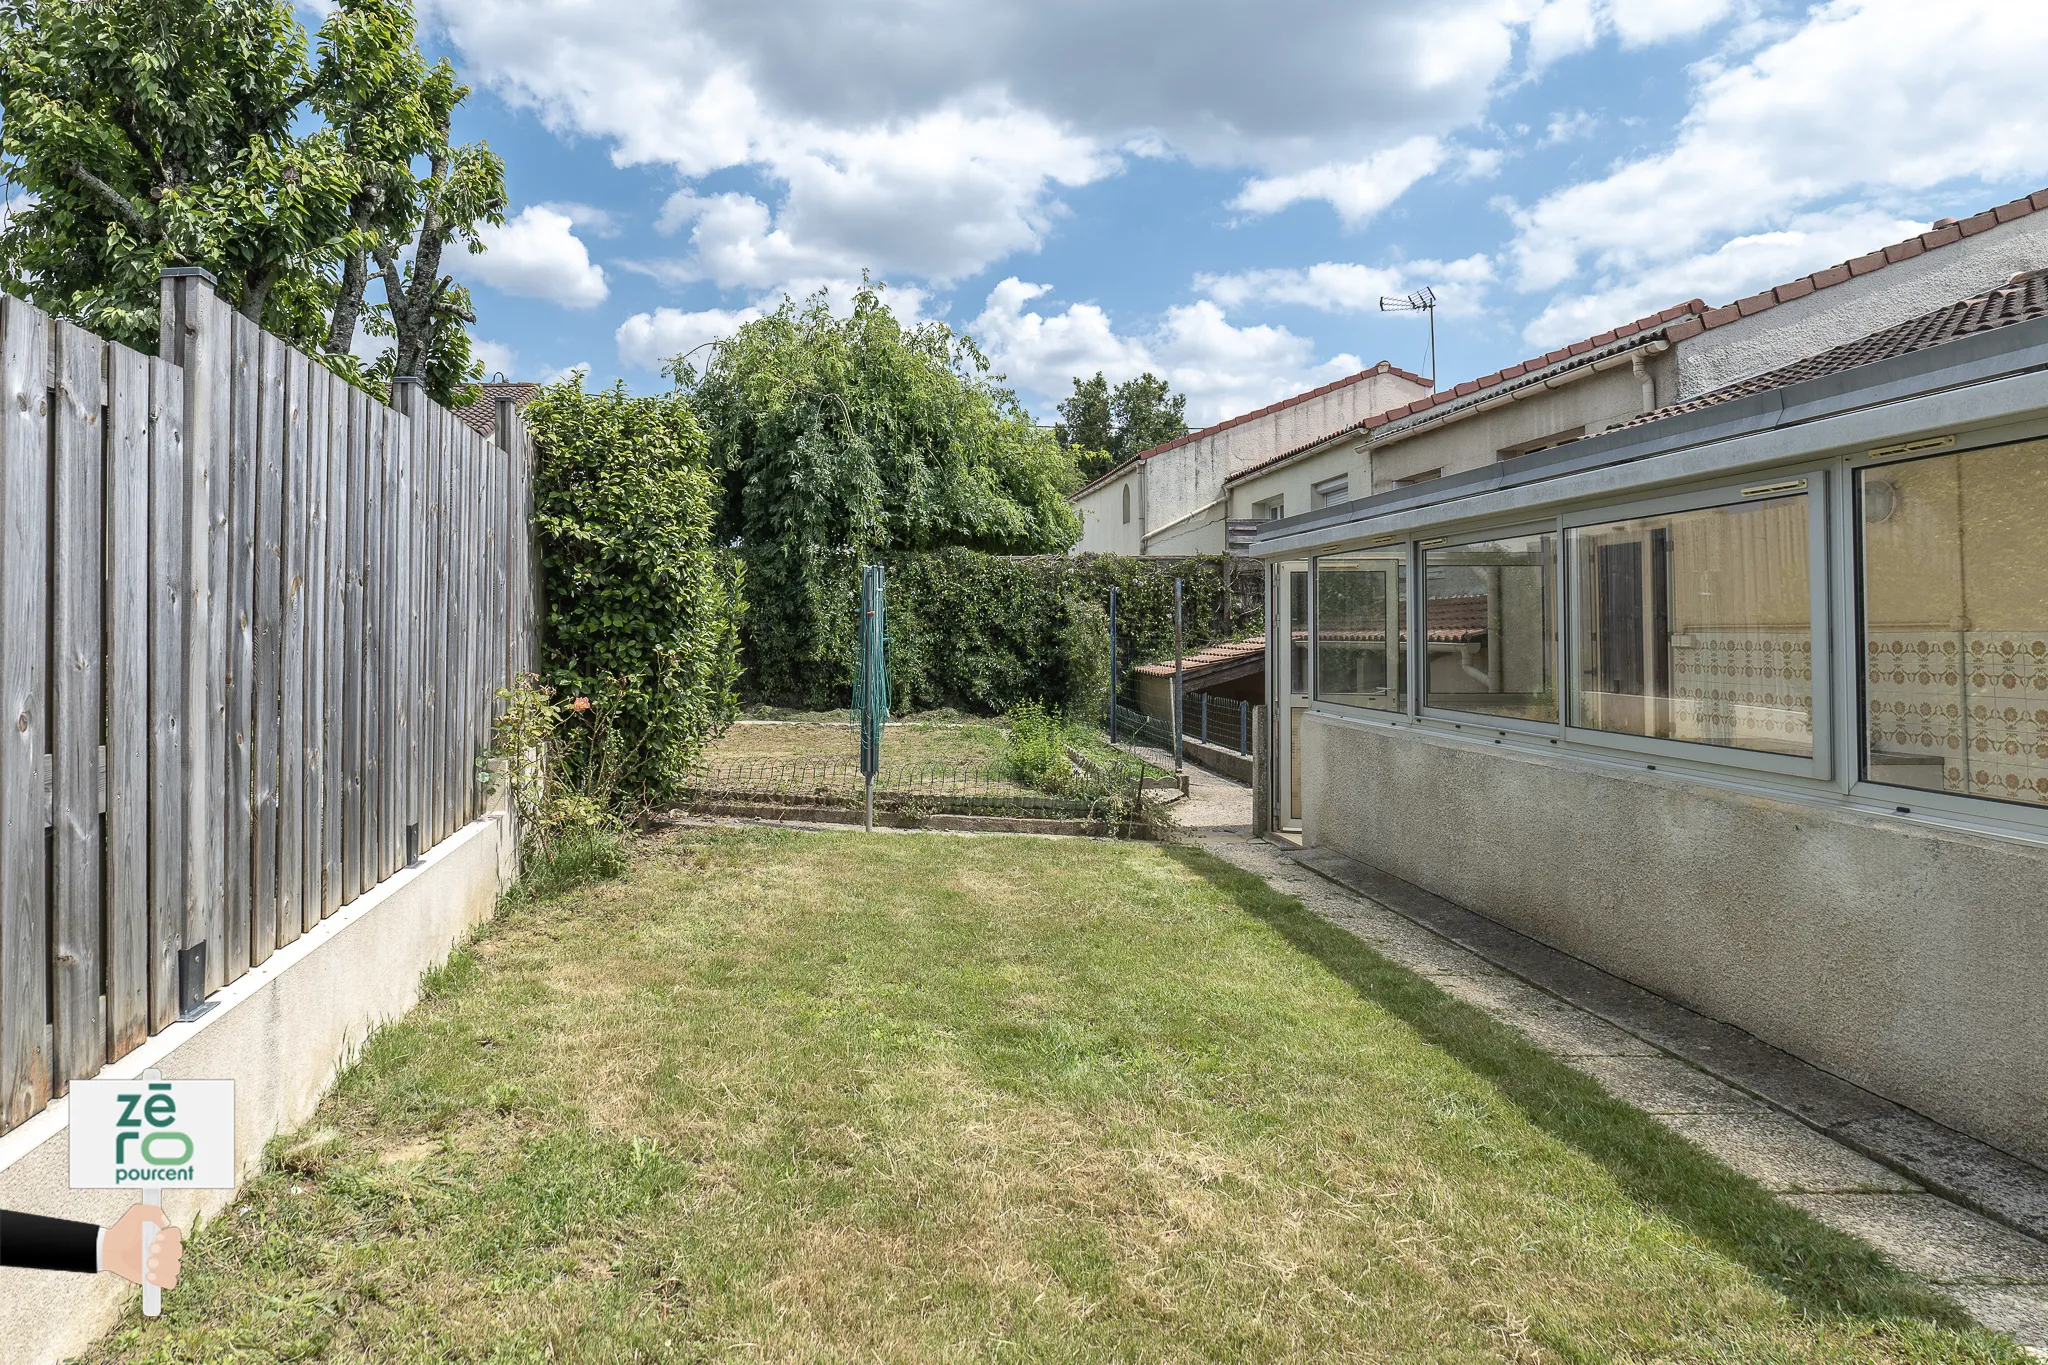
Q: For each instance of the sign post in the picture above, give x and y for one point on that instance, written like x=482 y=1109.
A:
x=148 y=1134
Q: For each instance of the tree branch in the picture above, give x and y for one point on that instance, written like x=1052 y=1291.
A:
x=114 y=200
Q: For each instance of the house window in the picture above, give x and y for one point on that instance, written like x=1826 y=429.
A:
x=1555 y=438
x=1127 y=504
x=1696 y=626
x=1272 y=509
x=1331 y=492
x=1955 y=622
x=1490 y=627
x=1360 y=631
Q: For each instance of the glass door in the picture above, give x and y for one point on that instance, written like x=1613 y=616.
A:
x=1291 y=689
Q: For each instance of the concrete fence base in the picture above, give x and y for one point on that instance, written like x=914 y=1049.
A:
x=281 y=1033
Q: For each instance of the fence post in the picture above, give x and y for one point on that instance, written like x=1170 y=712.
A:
x=1180 y=717
x=1244 y=727
x=1262 y=777
x=409 y=396
x=195 y=335
x=1112 y=664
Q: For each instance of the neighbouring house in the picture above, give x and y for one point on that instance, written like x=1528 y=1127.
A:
x=1606 y=380
x=1746 y=700
x=1169 y=500
x=481 y=416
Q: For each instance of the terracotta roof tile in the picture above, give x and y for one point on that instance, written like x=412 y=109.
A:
x=1211 y=657
x=481 y=416
x=2021 y=301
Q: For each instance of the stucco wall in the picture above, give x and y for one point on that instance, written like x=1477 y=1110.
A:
x=1862 y=305
x=280 y=1033
x=1103 y=528
x=1467 y=443
x=1905 y=958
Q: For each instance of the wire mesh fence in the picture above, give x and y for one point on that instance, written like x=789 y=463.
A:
x=918 y=777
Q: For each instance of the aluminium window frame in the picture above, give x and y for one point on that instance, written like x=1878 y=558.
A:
x=1480 y=720
x=1393 y=551
x=1819 y=479
x=1974 y=812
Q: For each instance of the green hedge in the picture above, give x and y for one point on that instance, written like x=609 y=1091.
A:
x=984 y=632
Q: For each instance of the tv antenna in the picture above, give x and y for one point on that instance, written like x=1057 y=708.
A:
x=1422 y=300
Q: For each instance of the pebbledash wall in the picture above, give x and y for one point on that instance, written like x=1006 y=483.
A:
x=1835 y=838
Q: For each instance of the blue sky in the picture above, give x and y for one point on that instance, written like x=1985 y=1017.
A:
x=1213 y=191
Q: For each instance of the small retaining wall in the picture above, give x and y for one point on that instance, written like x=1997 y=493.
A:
x=1905 y=958
x=281 y=1033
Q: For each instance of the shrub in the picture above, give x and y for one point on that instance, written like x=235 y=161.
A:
x=561 y=761
x=641 y=611
x=1035 y=751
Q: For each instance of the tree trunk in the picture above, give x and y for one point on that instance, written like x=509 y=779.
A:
x=348 y=304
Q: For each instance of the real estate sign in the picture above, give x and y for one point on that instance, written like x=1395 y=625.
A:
x=151 y=1132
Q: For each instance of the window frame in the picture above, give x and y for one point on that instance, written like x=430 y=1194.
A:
x=1393 y=551
x=1479 y=720
x=1956 y=807
x=1319 y=492
x=1820 y=767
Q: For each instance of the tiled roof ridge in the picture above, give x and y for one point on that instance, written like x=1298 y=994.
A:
x=481 y=416
x=1382 y=368
x=1945 y=232
x=1207 y=656
x=2022 y=298
x=1680 y=313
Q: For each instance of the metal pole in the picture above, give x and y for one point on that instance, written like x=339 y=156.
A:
x=1179 y=681
x=1112 y=665
x=1244 y=727
x=870 y=821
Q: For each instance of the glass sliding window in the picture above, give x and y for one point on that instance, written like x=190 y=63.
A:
x=1955 y=622
x=1297 y=631
x=1696 y=626
x=1361 y=630
x=1490 y=627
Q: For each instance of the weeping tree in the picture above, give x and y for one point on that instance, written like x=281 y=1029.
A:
x=839 y=439
x=141 y=134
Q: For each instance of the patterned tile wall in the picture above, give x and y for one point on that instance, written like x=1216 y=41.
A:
x=1751 y=687
x=1977 y=700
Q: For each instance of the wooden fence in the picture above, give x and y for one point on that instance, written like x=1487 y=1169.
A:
x=255 y=624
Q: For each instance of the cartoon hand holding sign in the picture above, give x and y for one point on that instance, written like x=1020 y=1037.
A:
x=148 y=1134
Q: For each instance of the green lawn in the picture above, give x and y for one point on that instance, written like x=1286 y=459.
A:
x=827 y=1097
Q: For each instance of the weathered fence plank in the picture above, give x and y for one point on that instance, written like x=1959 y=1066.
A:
x=313 y=814
x=127 y=607
x=291 y=684
x=169 y=580
x=238 y=834
x=76 y=470
x=353 y=685
x=339 y=515
x=24 y=566
x=272 y=420
x=373 y=649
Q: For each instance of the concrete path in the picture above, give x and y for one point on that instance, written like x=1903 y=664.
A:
x=1968 y=1219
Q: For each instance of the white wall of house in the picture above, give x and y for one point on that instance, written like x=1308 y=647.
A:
x=1454 y=443
x=1178 y=504
x=1859 y=306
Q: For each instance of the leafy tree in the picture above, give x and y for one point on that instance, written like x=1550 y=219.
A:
x=842 y=439
x=1102 y=427
x=150 y=133
x=641 y=610
x=391 y=110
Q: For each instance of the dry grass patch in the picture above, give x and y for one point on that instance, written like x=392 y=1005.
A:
x=917 y=1098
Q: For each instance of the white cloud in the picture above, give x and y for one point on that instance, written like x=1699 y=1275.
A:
x=931 y=141
x=647 y=341
x=497 y=358
x=593 y=220
x=1737 y=267
x=1560 y=28
x=1356 y=189
x=1340 y=287
x=1569 y=127
x=1859 y=112
x=581 y=367
x=1224 y=369
x=538 y=255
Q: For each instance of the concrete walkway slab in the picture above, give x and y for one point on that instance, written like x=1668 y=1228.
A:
x=1785 y=1156
x=1964 y=1216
